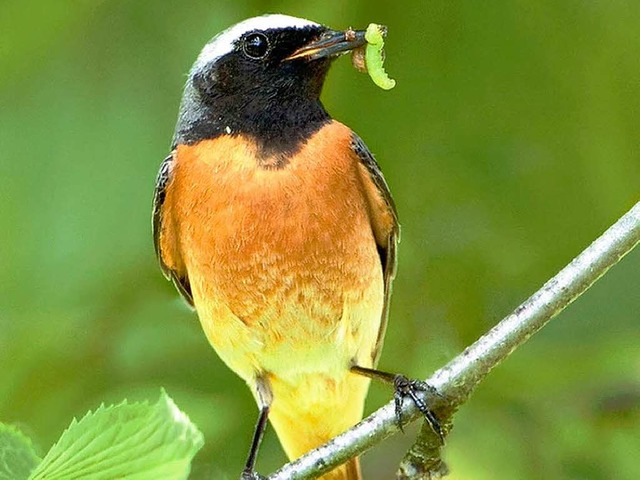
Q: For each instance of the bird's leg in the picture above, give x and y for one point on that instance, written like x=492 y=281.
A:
x=265 y=398
x=405 y=387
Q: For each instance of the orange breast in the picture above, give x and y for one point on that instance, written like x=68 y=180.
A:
x=274 y=255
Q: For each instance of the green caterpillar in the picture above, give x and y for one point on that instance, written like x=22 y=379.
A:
x=374 y=56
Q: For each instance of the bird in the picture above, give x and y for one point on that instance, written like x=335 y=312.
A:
x=275 y=223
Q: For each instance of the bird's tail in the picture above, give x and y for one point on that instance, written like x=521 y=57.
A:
x=347 y=471
x=315 y=410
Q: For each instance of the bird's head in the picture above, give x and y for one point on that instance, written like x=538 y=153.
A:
x=262 y=77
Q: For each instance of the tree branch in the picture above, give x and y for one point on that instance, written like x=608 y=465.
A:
x=456 y=380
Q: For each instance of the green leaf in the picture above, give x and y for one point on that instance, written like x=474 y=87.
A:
x=17 y=456
x=132 y=441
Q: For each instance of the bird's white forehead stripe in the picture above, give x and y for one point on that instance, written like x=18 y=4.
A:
x=222 y=43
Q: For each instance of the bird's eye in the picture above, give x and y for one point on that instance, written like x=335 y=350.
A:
x=256 y=45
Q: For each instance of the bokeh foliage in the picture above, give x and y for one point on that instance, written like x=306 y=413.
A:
x=510 y=142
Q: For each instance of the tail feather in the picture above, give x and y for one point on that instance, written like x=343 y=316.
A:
x=304 y=419
x=347 y=471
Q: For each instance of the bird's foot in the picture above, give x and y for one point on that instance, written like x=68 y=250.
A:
x=251 y=475
x=406 y=387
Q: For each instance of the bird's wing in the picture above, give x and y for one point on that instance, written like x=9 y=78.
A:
x=177 y=275
x=385 y=227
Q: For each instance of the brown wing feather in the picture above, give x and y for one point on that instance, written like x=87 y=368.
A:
x=386 y=229
x=179 y=279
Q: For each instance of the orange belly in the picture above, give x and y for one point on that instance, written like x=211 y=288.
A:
x=285 y=273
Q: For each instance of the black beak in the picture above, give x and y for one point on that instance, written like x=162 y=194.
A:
x=330 y=44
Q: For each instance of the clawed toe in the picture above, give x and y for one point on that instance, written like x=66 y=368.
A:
x=251 y=475
x=406 y=387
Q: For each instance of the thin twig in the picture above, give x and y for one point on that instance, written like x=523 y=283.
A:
x=458 y=378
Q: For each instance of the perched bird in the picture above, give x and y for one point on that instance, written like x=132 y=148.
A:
x=275 y=223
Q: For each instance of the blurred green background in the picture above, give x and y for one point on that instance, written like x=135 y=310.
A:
x=510 y=142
